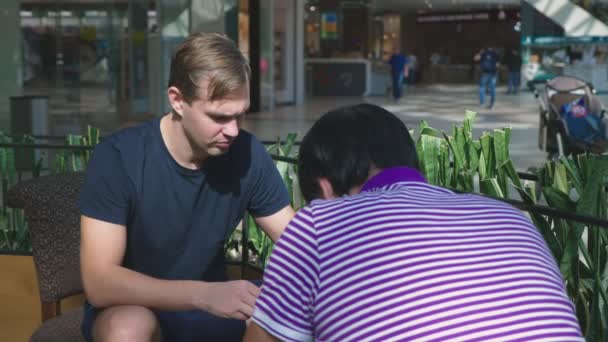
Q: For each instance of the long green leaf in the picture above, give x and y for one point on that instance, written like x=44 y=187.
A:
x=428 y=154
x=491 y=187
x=469 y=119
x=573 y=173
x=487 y=151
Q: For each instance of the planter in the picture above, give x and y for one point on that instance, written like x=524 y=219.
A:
x=20 y=309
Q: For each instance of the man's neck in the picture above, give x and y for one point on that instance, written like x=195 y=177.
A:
x=357 y=188
x=177 y=143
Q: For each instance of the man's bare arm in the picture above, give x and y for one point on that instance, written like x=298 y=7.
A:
x=255 y=333
x=108 y=283
x=276 y=223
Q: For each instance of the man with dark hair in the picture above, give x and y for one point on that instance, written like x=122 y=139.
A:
x=160 y=199
x=376 y=140
x=380 y=255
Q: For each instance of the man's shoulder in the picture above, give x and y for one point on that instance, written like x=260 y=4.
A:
x=126 y=147
x=488 y=202
x=132 y=135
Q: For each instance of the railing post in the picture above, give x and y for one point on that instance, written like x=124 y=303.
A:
x=244 y=244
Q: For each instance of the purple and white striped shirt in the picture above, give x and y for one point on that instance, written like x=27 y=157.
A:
x=408 y=261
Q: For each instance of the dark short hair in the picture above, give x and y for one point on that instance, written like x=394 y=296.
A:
x=344 y=144
x=210 y=55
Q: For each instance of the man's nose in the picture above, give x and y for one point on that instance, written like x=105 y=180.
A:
x=231 y=129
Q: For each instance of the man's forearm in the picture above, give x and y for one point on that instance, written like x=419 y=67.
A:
x=255 y=333
x=121 y=286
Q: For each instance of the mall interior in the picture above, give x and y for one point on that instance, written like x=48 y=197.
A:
x=105 y=63
x=70 y=64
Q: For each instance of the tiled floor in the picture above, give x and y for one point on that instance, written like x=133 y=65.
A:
x=442 y=105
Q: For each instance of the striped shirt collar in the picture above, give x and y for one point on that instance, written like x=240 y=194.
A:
x=391 y=176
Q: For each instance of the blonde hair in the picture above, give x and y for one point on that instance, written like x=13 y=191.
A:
x=210 y=56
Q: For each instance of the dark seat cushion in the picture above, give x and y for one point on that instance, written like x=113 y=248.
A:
x=63 y=328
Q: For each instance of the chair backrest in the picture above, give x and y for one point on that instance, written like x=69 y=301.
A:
x=53 y=218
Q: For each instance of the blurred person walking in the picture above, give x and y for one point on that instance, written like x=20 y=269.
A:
x=488 y=62
x=513 y=63
x=399 y=72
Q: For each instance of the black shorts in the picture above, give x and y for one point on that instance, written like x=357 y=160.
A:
x=178 y=326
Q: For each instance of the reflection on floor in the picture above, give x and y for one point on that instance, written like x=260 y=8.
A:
x=440 y=105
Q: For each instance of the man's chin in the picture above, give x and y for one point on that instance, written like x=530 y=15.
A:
x=216 y=151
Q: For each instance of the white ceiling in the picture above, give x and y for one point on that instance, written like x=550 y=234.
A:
x=442 y=5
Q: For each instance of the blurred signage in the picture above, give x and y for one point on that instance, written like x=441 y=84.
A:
x=453 y=17
x=555 y=40
x=329 y=25
x=490 y=15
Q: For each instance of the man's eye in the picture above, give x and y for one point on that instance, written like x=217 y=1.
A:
x=221 y=118
x=225 y=119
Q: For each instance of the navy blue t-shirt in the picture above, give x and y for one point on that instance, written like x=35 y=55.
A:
x=178 y=219
x=488 y=61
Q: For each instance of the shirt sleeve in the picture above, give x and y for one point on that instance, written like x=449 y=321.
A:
x=269 y=193
x=105 y=194
x=285 y=307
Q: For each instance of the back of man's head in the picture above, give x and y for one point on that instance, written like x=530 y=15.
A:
x=345 y=144
x=210 y=56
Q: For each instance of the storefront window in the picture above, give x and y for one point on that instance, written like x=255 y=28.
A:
x=391 y=39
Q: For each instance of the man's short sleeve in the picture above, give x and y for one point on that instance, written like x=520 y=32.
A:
x=286 y=305
x=105 y=194
x=269 y=193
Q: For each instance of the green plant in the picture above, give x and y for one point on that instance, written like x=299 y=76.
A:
x=13 y=227
x=77 y=160
x=579 y=184
x=576 y=184
x=259 y=244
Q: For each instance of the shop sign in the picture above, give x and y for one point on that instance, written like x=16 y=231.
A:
x=553 y=40
x=329 y=25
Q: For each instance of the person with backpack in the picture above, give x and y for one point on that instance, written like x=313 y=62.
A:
x=488 y=62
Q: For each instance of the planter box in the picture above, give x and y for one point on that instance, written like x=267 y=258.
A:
x=20 y=309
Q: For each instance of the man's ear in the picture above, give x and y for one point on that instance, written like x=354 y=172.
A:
x=327 y=191
x=176 y=100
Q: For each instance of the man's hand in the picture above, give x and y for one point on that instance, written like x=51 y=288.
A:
x=233 y=299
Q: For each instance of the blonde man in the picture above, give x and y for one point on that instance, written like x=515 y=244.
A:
x=160 y=199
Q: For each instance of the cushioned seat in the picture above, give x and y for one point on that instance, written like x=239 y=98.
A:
x=62 y=328
x=53 y=218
